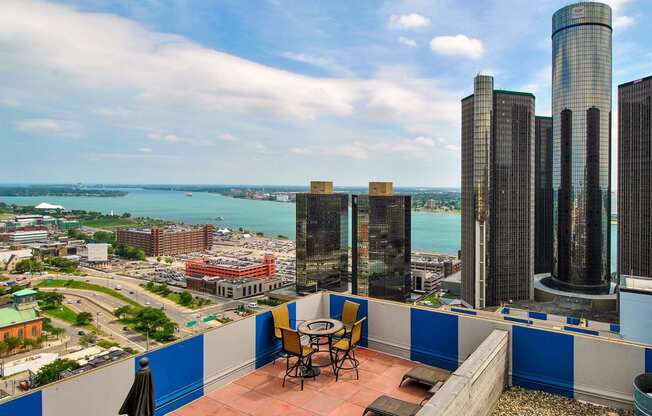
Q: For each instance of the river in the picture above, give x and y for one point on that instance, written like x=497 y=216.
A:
x=437 y=232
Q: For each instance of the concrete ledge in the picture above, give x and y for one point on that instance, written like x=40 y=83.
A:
x=475 y=387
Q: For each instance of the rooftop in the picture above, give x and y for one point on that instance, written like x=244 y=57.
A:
x=261 y=392
x=12 y=316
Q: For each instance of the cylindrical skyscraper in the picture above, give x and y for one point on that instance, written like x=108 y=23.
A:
x=581 y=110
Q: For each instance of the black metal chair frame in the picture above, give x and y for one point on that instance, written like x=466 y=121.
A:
x=299 y=367
x=348 y=354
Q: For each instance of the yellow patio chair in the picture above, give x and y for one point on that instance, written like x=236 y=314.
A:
x=346 y=346
x=349 y=316
x=292 y=347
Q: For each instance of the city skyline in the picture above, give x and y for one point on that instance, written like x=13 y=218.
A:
x=219 y=86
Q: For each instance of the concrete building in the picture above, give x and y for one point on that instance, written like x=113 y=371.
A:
x=96 y=252
x=232 y=268
x=167 y=241
x=635 y=178
x=322 y=238
x=443 y=264
x=9 y=258
x=424 y=281
x=233 y=288
x=543 y=195
x=23 y=237
x=497 y=195
x=581 y=111
x=381 y=243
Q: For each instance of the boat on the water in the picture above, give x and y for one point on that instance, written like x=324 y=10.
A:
x=188 y=193
x=220 y=218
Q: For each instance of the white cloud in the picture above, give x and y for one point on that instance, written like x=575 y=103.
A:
x=49 y=126
x=145 y=150
x=320 y=62
x=408 y=21
x=256 y=147
x=116 y=111
x=623 y=22
x=174 y=138
x=458 y=45
x=407 y=42
x=228 y=137
x=616 y=4
x=299 y=150
x=417 y=148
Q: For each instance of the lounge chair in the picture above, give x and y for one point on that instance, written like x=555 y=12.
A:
x=389 y=406
x=424 y=375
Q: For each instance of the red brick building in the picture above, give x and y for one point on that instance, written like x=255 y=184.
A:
x=168 y=241
x=232 y=268
x=22 y=319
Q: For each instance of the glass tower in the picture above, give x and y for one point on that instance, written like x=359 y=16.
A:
x=581 y=111
x=322 y=238
x=543 y=195
x=635 y=178
x=497 y=195
x=381 y=243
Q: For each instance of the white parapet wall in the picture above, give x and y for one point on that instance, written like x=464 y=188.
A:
x=474 y=388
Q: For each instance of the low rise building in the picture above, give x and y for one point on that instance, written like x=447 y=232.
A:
x=233 y=288
x=231 y=267
x=425 y=281
x=9 y=258
x=443 y=264
x=22 y=318
x=166 y=241
x=23 y=237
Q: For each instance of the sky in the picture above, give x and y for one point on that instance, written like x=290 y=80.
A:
x=268 y=91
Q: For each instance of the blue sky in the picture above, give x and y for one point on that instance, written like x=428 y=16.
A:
x=267 y=92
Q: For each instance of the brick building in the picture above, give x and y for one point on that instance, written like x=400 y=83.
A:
x=167 y=241
x=231 y=268
x=21 y=319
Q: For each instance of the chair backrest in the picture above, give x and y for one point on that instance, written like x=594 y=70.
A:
x=291 y=341
x=356 y=332
x=350 y=312
x=281 y=317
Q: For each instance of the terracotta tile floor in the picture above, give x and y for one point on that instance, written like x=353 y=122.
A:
x=261 y=392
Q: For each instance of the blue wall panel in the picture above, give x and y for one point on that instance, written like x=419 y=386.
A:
x=336 y=304
x=572 y=321
x=581 y=331
x=614 y=327
x=519 y=320
x=542 y=360
x=538 y=315
x=267 y=346
x=648 y=360
x=465 y=311
x=178 y=372
x=434 y=338
x=27 y=405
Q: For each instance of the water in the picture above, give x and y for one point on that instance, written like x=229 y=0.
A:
x=435 y=232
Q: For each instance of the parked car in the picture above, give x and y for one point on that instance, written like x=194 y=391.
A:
x=81 y=333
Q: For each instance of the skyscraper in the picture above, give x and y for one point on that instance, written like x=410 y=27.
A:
x=635 y=178
x=322 y=238
x=543 y=194
x=497 y=195
x=581 y=111
x=381 y=243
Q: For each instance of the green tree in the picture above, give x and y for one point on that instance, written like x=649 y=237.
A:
x=50 y=300
x=104 y=237
x=158 y=259
x=56 y=331
x=28 y=265
x=12 y=343
x=169 y=260
x=51 y=372
x=154 y=322
x=125 y=312
x=185 y=298
x=86 y=340
x=83 y=318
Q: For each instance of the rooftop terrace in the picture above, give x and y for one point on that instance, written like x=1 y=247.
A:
x=228 y=370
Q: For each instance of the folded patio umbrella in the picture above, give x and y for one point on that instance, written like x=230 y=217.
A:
x=140 y=400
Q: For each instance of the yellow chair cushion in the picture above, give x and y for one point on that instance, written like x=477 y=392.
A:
x=307 y=350
x=342 y=344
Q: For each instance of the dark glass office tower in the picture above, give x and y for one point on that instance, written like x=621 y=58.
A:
x=322 y=238
x=543 y=195
x=581 y=111
x=381 y=243
x=635 y=178
x=497 y=195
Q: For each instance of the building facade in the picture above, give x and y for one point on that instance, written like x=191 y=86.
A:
x=233 y=288
x=168 y=241
x=381 y=251
x=635 y=178
x=581 y=111
x=22 y=319
x=543 y=195
x=322 y=238
x=497 y=195
x=232 y=268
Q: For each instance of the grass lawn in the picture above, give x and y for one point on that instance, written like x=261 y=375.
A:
x=174 y=297
x=66 y=314
x=73 y=284
x=434 y=299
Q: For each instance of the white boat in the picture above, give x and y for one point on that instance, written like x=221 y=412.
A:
x=188 y=193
